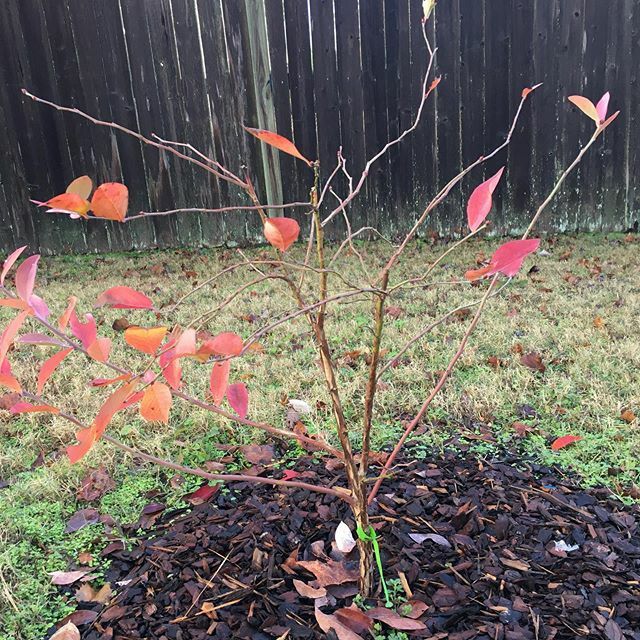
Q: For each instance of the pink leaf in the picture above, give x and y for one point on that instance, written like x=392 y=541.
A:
x=26 y=277
x=86 y=332
x=39 y=307
x=224 y=344
x=238 y=398
x=564 y=441
x=8 y=335
x=480 y=202
x=602 y=106
x=219 y=380
x=124 y=298
x=9 y=262
x=186 y=344
x=281 y=232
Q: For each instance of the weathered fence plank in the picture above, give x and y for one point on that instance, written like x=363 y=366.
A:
x=327 y=74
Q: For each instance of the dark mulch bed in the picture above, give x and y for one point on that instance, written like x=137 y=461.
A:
x=226 y=568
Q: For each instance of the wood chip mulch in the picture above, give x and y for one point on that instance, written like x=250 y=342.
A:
x=482 y=550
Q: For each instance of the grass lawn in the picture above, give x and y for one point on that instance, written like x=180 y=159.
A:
x=577 y=306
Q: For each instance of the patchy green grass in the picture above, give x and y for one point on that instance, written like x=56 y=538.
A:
x=578 y=309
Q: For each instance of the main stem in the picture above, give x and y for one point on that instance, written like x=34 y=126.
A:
x=354 y=478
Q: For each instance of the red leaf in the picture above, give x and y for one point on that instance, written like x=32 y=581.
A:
x=527 y=90
x=81 y=186
x=171 y=368
x=224 y=344
x=204 y=493
x=506 y=260
x=281 y=233
x=25 y=407
x=586 y=106
x=509 y=257
x=26 y=277
x=156 y=403
x=564 y=441
x=9 y=262
x=238 y=398
x=479 y=203
x=68 y=203
x=123 y=298
x=110 y=201
x=279 y=142
x=49 y=366
x=219 y=380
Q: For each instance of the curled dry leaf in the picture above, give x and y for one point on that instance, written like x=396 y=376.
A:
x=395 y=621
x=331 y=623
x=533 y=361
x=564 y=441
x=62 y=578
x=330 y=572
x=345 y=541
x=628 y=416
x=68 y=632
x=95 y=484
x=307 y=591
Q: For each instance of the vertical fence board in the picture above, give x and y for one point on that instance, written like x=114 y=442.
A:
x=325 y=73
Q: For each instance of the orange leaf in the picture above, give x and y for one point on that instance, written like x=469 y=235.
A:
x=14 y=303
x=9 y=382
x=100 y=349
x=145 y=340
x=279 y=142
x=103 y=382
x=64 y=318
x=112 y=405
x=224 y=344
x=86 y=438
x=586 y=106
x=71 y=202
x=110 y=201
x=49 y=366
x=156 y=403
x=81 y=186
x=219 y=380
x=7 y=336
x=564 y=441
x=25 y=407
x=527 y=90
x=281 y=233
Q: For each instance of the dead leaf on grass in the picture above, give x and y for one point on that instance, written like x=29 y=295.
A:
x=533 y=361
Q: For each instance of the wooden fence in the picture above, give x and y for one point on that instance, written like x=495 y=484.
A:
x=327 y=73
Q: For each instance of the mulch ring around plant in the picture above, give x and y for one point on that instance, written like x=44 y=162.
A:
x=472 y=550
